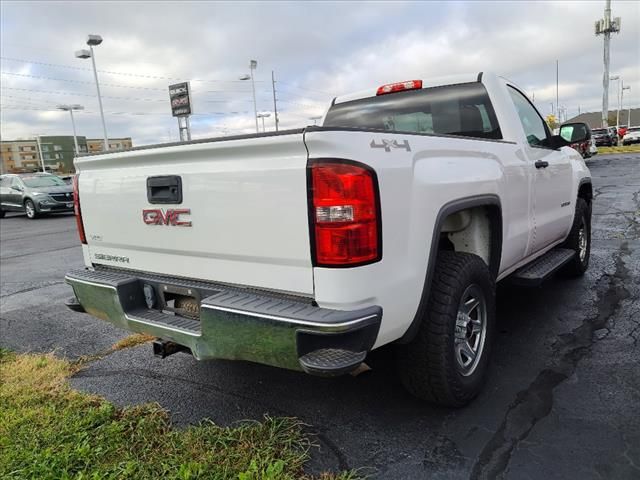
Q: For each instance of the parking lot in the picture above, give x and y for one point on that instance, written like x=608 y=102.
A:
x=561 y=401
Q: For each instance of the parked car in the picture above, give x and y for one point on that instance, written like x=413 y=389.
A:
x=68 y=179
x=604 y=137
x=593 y=148
x=622 y=131
x=34 y=194
x=306 y=249
x=632 y=136
x=577 y=130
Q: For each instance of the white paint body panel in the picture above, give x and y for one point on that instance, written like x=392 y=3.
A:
x=248 y=200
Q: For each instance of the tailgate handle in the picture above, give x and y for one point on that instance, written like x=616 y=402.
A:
x=164 y=189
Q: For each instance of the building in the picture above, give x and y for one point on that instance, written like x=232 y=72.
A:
x=19 y=155
x=57 y=151
x=594 y=119
x=95 y=144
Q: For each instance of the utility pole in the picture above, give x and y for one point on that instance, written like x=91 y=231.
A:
x=275 y=105
x=557 y=94
x=605 y=26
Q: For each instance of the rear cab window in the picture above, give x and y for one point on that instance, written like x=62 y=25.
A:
x=463 y=110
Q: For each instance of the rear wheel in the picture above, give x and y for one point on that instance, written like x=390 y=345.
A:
x=447 y=360
x=30 y=209
x=579 y=240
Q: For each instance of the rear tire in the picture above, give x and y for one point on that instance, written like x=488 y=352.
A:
x=579 y=240
x=437 y=364
x=30 y=209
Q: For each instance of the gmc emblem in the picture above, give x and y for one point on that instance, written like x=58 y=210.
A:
x=158 y=216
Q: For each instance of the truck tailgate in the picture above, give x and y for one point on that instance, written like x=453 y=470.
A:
x=247 y=203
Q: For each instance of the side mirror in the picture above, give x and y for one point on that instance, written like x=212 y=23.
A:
x=556 y=142
x=16 y=188
x=575 y=133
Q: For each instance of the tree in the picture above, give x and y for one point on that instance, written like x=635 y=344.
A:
x=552 y=121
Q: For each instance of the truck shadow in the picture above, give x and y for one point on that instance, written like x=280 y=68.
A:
x=363 y=421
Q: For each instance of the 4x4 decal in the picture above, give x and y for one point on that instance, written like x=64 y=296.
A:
x=389 y=144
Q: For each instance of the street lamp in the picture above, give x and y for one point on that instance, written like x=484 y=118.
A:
x=70 y=109
x=617 y=77
x=94 y=41
x=253 y=64
x=628 y=87
x=40 y=153
x=263 y=115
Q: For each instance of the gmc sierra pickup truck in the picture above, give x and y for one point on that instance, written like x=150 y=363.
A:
x=306 y=249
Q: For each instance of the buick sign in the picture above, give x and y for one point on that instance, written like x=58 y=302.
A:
x=180 y=98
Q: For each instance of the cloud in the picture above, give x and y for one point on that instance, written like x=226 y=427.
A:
x=317 y=49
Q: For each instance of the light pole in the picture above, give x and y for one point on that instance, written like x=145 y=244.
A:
x=263 y=115
x=253 y=64
x=70 y=109
x=628 y=87
x=40 y=153
x=94 y=41
x=275 y=104
x=617 y=77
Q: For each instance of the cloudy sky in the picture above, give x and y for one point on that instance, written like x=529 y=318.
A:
x=317 y=50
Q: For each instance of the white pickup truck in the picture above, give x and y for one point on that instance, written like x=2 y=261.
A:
x=306 y=249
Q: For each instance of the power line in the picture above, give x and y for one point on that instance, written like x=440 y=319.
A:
x=113 y=85
x=25 y=75
x=291 y=85
x=46 y=108
x=128 y=74
x=62 y=92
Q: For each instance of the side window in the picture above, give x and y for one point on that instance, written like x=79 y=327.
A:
x=15 y=182
x=534 y=127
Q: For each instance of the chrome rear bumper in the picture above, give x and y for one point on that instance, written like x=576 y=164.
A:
x=234 y=323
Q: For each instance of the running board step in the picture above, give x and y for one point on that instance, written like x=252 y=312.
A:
x=331 y=361
x=536 y=272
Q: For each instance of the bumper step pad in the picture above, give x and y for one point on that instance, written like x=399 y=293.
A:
x=536 y=272
x=331 y=361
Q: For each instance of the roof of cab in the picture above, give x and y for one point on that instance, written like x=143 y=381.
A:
x=426 y=83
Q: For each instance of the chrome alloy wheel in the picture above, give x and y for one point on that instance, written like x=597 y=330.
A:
x=30 y=209
x=471 y=330
x=582 y=243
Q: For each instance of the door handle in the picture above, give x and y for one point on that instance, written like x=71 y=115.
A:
x=541 y=164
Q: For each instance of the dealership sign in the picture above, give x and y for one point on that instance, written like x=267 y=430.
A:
x=180 y=97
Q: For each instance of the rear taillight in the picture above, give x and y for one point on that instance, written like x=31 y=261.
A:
x=344 y=213
x=76 y=208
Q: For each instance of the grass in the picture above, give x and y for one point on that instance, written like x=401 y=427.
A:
x=51 y=431
x=635 y=148
x=132 y=341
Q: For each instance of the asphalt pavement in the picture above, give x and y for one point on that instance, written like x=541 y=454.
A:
x=561 y=400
